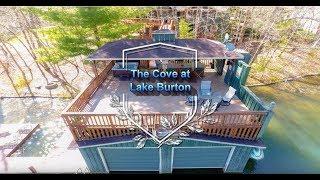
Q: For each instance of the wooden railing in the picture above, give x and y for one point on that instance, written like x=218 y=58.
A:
x=206 y=62
x=249 y=99
x=91 y=125
x=87 y=126
x=81 y=100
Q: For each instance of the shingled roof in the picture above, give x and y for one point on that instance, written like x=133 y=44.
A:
x=207 y=49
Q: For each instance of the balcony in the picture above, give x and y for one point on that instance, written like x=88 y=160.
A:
x=90 y=115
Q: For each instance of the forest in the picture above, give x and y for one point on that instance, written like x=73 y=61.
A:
x=44 y=49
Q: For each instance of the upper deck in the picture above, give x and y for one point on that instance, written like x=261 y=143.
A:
x=156 y=103
x=90 y=116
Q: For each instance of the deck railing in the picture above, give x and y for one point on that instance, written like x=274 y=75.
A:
x=206 y=62
x=81 y=100
x=86 y=126
x=91 y=125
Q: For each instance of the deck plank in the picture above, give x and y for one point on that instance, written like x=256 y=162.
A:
x=100 y=101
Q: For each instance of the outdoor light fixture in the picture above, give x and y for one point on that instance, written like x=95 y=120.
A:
x=257 y=154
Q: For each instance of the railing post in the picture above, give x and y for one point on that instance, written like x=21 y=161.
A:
x=244 y=73
x=266 y=119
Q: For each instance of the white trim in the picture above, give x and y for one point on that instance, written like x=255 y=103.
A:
x=172 y=156
x=209 y=141
x=200 y=147
x=160 y=160
x=97 y=145
x=103 y=160
x=148 y=147
x=229 y=158
x=105 y=164
x=150 y=48
x=232 y=148
x=220 y=142
x=156 y=44
x=173 y=58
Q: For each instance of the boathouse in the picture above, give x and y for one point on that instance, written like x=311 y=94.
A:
x=229 y=137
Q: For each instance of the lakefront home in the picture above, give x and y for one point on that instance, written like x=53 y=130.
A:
x=168 y=104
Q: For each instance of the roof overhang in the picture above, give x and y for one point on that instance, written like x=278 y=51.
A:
x=206 y=49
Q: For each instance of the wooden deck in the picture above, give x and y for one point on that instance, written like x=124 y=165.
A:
x=13 y=136
x=155 y=103
x=89 y=116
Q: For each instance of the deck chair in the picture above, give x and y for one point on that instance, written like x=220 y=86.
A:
x=228 y=96
x=205 y=88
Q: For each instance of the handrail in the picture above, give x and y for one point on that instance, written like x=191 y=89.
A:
x=93 y=125
x=80 y=101
x=243 y=124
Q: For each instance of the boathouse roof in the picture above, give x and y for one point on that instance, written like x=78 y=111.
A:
x=206 y=49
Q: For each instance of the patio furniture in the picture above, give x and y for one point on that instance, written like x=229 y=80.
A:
x=205 y=88
x=228 y=96
x=119 y=71
x=214 y=97
x=152 y=64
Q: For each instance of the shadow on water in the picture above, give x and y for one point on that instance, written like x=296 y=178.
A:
x=292 y=137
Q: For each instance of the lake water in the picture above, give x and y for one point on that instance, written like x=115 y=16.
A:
x=292 y=138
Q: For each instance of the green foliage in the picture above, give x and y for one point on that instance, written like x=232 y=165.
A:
x=260 y=64
x=250 y=32
x=81 y=30
x=20 y=82
x=303 y=36
x=285 y=25
x=185 y=29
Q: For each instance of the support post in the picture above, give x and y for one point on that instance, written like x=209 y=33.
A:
x=165 y=165
x=219 y=64
x=244 y=73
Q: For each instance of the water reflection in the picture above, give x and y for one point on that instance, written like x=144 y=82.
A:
x=292 y=138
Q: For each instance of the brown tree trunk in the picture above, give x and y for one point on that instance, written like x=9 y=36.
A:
x=6 y=70
x=30 y=51
x=64 y=84
x=22 y=59
x=5 y=49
